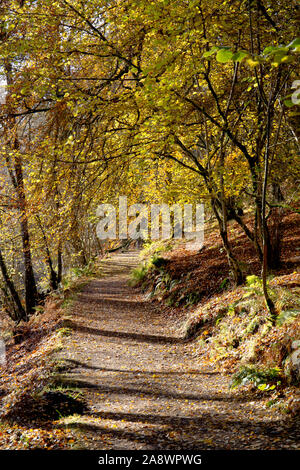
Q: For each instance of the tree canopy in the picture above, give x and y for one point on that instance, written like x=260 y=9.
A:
x=172 y=101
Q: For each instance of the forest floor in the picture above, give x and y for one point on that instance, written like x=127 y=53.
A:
x=144 y=387
x=104 y=366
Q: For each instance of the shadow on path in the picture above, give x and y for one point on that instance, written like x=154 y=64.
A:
x=145 y=387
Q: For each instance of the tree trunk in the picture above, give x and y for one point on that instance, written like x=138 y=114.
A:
x=233 y=263
x=265 y=238
x=53 y=275
x=31 y=293
x=59 y=263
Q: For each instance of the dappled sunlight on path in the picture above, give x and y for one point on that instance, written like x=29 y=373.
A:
x=143 y=387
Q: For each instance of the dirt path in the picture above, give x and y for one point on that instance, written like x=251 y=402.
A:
x=142 y=385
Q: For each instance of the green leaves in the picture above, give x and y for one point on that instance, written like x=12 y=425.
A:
x=295 y=45
x=239 y=56
x=276 y=54
x=224 y=56
x=209 y=53
x=263 y=379
x=266 y=387
x=288 y=103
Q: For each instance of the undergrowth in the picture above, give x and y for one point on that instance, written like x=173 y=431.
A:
x=266 y=379
x=241 y=333
x=233 y=328
x=151 y=261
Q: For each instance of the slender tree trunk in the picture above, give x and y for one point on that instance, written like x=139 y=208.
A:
x=31 y=293
x=16 y=173
x=52 y=272
x=232 y=261
x=59 y=263
x=21 y=314
x=274 y=229
x=223 y=224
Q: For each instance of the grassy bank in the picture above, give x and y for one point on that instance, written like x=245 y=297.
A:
x=32 y=399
